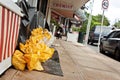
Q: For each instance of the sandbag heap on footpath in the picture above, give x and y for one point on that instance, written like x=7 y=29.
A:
x=34 y=52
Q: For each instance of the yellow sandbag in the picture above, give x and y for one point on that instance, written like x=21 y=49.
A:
x=33 y=62
x=18 y=60
x=46 y=34
x=22 y=47
x=37 y=31
x=44 y=57
x=46 y=54
x=35 y=39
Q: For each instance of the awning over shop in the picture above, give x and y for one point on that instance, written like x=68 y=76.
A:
x=67 y=7
x=66 y=13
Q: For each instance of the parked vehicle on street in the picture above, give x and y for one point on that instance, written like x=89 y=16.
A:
x=95 y=32
x=111 y=44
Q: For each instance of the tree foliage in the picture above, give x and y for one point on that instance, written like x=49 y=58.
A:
x=55 y=22
x=96 y=20
x=117 y=24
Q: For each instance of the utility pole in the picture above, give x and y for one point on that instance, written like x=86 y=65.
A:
x=105 y=5
x=101 y=30
x=89 y=22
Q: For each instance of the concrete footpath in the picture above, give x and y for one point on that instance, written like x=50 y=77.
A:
x=78 y=62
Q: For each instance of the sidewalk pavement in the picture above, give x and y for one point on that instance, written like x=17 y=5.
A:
x=78 y=62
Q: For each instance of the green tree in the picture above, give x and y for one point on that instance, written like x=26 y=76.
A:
x=99 y=19
x=117 y=24
x=96 y=20
x=55 y=22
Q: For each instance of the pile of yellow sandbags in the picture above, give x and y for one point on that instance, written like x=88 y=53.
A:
x=34 y=51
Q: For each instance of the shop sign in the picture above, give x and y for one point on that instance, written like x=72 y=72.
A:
x=62 y=6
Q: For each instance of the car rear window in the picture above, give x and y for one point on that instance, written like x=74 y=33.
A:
x=105 y=30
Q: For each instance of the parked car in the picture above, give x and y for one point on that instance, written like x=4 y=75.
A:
x=111 y=44
x=95 y=32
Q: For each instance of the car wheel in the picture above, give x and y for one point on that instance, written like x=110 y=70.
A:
x=91 y=42
x=117 y=54
x=101 y=49
x=88 y=41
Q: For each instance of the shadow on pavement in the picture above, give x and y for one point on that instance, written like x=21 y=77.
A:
x=110 y=55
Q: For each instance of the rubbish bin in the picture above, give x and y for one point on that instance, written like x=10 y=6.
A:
x=81 y=37
x=10 y=16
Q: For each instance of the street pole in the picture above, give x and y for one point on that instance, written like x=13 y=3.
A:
x=101 y=30
x=54 y=29
x=89 y=23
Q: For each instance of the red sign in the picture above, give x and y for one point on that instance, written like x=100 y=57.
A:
x=62 y=6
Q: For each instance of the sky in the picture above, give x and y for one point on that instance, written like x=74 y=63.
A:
x=112 y=13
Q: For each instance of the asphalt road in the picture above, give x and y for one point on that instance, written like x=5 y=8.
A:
x=94 y=47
